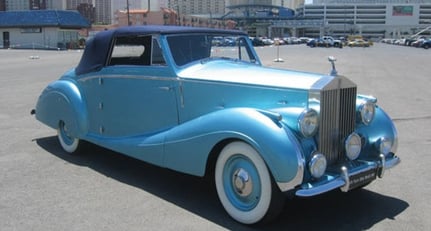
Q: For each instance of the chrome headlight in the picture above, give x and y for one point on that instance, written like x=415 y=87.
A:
x=308 y=122
x=317 y=165
x=367 y=110
x=353 y=146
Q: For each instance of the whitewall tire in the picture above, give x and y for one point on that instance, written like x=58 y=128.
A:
x=243 y=183
x=68 y=143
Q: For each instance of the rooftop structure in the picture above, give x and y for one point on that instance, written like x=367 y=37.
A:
x=42 y=18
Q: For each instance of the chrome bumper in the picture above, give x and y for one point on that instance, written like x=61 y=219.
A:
x=346 y=179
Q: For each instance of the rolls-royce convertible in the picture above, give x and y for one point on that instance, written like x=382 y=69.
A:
x=199 y=101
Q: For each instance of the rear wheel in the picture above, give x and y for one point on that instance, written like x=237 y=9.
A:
x=244 y=185
x=69 y=143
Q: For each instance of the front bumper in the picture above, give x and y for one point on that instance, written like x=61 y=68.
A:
x=350 y=176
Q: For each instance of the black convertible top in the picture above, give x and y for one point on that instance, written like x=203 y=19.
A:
x=97 y=48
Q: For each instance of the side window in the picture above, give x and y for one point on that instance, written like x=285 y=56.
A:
x=136 y=50
x=189 y=48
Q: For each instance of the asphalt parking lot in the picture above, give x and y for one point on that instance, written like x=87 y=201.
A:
x=43 y=188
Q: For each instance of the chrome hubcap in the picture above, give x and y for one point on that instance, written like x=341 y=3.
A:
x=242 y=182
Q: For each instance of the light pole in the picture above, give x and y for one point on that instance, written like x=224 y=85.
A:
x=128 y=13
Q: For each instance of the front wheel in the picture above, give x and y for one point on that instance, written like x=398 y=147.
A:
x=244 y=185
x=68 y=143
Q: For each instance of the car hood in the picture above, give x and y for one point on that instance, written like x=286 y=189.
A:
x=244 y=73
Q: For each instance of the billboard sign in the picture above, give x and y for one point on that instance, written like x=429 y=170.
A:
x=402 y=10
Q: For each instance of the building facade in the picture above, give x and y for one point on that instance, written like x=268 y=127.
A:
x=145 y=17
x=201 y=7
x=291 y=4
x=372 y=19
x=41 y=29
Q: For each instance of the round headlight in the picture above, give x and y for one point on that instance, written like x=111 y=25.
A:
x=384 y=145
x=367 y=110
x=353 y=146
x=317 y=165
x=308 y=122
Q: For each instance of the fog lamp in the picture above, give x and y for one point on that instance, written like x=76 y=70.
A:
x=317 y=165
x=353 y=146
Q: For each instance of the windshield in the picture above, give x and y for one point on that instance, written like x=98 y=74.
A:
x=203 y=47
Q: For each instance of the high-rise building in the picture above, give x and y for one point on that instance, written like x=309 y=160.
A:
x=56 y=4
x=190 y=7
x=2 y=5
x=153 y=5
x=37 y=5
x=88 y=11
x=73 y=4
x=104 y=11
x=17 y=5
x=292 y=4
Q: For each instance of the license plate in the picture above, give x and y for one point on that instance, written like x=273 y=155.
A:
x=362 y=178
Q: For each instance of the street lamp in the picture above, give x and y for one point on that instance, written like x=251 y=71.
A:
x=128 y=13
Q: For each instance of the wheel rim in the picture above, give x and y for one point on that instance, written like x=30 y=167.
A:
x=64 y=135
x=68 y=142
x=241 y=183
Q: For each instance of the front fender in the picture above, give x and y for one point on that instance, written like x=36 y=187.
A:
x=62 y=100
x=381 y=126
x=188 y=146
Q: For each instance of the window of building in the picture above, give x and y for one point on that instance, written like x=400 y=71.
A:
x=31 y=30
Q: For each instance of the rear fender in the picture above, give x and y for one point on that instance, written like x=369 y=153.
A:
x=188 y=146
x=62 y=101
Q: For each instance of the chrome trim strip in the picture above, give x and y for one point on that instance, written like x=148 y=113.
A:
x=381 y=171
x=127 y=76
x=338 y=182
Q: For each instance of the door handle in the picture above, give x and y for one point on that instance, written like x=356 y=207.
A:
x=165 y=88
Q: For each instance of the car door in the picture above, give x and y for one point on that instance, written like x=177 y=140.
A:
x=134 y=95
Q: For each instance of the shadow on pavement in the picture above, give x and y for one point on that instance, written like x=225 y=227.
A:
x=357 y=210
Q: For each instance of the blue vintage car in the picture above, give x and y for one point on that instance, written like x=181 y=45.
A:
x=172 y=97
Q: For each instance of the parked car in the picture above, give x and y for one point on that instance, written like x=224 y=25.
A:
x=332 y=42
x=426 y=44
x=325 y=41
x=418 y=43
x=167 y=96
x=267 y=41
x=292 y=40
x=257 y=42
x=358 y=43
x=314 y=42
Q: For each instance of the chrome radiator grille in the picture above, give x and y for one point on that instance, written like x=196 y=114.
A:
x=337 y=121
